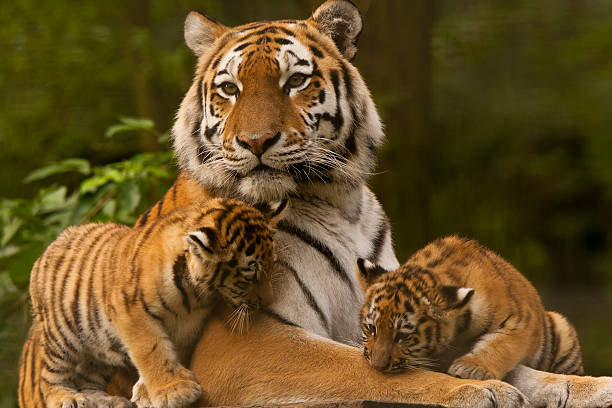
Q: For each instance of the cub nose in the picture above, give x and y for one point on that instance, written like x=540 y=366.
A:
x=258 y=144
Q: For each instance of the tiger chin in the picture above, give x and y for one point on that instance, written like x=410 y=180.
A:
x=458 y=302
x=109 y=296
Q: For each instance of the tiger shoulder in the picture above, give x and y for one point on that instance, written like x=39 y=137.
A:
x=456 y=301
x=109 y=296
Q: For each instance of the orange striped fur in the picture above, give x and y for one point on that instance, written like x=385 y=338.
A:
x=455 y=294
x=107 y=296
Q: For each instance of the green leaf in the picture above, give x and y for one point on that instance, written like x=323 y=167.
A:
x=92 y=184
x=69 y=165
x=52 y=200
x=129 y=196
x=130 y=124
x=9 y=230
x=21 y=265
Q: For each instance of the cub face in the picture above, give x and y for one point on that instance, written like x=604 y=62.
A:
x=405 y=320
x=230 y=253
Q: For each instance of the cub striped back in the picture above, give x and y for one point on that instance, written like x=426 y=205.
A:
x=103 y=293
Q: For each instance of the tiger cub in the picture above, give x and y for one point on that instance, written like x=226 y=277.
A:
x=457 y=301
x=107 y=295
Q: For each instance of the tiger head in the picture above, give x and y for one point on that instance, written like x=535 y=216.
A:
x=407 y=317
x=231 y=251
x=276 y=107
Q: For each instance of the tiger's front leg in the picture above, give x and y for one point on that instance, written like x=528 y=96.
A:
x=559 y=390
x=492 y=356
x=278 y=363
x=163 y=382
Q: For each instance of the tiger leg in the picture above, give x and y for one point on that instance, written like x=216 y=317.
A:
x=558 y=390
x=164 y=381
x=563 y=349
x=29 y=392
x=275 y=363
x=493 y=355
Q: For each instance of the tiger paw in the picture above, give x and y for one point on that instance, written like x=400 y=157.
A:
x=140 y=395
x=472 y=368
x=100 y=399
x=75 y=401
x=487 y=394
x=182 y=390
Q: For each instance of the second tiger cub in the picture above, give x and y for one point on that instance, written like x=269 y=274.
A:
x=460 y=302
x=107 y=296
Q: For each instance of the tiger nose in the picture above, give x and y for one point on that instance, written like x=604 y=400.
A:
x=258 y=144
x=380 y=359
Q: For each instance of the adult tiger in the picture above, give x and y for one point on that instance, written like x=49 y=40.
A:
x=277 y=110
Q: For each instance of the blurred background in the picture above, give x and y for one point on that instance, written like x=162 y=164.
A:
x=498 y=115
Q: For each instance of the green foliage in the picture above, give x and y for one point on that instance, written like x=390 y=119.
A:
x=111 y=192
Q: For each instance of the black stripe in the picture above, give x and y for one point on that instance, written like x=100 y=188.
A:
x=336 y=120
x=279 y=318
x=178 y=270
x=317 y=52
x=285 y=226
x=241 y=47
x=200 y=98
x=560 y=362
x=160 y=204
x=147 y=310
x=312 y=302
x=209 y=132
x=554 y=348
x=174 y=186
x=348 y=82
x=379 y=240
x=283 y=41
x=164 y=303
x=144 y=217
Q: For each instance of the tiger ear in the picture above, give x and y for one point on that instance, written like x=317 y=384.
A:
x=202 y=242
x=340 y=20
x=201 y=32
x=276 y=211
x=367 y=272
x=456 y=297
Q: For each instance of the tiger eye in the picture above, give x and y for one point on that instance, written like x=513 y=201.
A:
x=229 y=88
x=296 y=80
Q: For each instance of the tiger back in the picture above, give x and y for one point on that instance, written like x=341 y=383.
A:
x=462 y=304
x=107 y=296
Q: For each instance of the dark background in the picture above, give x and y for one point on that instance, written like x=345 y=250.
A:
x=498 y=116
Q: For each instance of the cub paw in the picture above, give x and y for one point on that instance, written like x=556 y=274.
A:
x=488 y=394
x=100 y=399
x=140 y=395
x=75 y=401
x=470 y=368
x=181 y=391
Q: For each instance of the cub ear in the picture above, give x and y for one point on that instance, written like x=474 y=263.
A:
x=457 y=297
x=202 y=242
x=340 y=20
x=276 y=211
x=367 y=272
x=201 y=32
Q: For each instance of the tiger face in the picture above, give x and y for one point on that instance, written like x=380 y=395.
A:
x=407 y=318
x=276 y=106
x=231 y=250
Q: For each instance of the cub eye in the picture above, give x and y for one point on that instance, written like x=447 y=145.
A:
x=229 y=88
x=401 y=336
x=370 y=328
x=296 y=80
